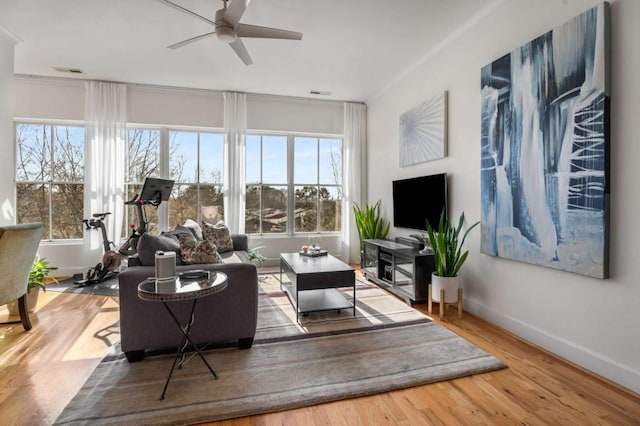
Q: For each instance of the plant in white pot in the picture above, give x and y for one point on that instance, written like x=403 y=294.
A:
x=449 y=257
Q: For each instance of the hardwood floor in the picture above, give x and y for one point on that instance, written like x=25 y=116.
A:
x=41 y=370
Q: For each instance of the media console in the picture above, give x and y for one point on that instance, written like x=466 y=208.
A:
x=398 y=267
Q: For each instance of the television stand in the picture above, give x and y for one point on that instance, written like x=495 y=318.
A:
x=399 y=267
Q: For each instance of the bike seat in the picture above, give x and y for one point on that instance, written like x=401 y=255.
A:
x=102 y=215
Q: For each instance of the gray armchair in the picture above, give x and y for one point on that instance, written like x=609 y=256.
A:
x=18 y=248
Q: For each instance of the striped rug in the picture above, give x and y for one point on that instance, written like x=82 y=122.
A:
x=325 y=357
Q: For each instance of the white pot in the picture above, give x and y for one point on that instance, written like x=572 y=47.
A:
x=450 y=286
x=32 y=301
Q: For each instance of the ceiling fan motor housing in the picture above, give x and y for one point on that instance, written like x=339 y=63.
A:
x=224 y=32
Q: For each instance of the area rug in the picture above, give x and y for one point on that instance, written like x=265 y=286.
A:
x=375 y=309
x=106 y=288
x=324 y=357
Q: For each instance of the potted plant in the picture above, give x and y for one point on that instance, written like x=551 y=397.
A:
x=370 y=223
x=256 y=256
x=38 y=276
x=448 y=255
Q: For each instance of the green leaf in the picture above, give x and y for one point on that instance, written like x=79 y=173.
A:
x=447 y=245
x=40 y=270
x=370 y=223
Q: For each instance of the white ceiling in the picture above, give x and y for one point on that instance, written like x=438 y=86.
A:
x=352 y=48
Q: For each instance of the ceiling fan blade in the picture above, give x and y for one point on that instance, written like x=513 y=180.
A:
x=234 y=11
x=191 y=40
x=238 y=46
x=187 y=11
x=255 y=31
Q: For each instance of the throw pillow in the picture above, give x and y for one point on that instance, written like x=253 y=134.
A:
x=219 y=235
x=181 y=231
x=148 y=244
x=192 y=251
x=193 y=226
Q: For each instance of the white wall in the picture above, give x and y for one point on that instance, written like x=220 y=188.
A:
x=7 y=189
x=49 y=98
x=174 y=107
x=297 y=115
x=592 y=322
x=63 y=99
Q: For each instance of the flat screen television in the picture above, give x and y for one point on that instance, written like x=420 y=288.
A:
x=419 y=199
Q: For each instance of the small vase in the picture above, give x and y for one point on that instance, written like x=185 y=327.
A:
x=450 y=286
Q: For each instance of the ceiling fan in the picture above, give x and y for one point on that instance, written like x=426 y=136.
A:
x=228 y=28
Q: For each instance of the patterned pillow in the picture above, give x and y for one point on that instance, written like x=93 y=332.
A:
x=192 y=251
x=219 y=235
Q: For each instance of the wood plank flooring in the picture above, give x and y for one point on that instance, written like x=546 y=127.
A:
x=41 y=370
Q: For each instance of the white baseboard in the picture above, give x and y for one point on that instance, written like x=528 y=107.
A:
x=68 y=272
x=610 y=369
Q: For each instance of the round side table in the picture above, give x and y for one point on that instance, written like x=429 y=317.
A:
x=178 y=290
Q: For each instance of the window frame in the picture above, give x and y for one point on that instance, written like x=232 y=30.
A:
x=291 y=184
x=51 y=124
x=199 y=184
x=164 y=164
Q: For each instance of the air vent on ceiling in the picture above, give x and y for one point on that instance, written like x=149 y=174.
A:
x=69 y=70
x=320 y=92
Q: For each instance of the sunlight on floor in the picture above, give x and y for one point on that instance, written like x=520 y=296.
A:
x=97 y=341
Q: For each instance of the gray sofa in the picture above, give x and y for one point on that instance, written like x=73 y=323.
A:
x=229 y=316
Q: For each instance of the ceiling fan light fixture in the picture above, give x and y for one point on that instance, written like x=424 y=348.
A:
x=225 y=34
x=230 y=30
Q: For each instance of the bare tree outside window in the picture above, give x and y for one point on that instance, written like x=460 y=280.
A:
x=50 y=178
x=143 y=160
x=196 y=166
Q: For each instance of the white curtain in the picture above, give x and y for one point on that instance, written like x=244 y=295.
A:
x=355 y=176
x=235 y=130
x=105 y=140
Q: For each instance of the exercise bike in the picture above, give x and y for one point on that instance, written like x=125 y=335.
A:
x=154 y=192
x=110 y=259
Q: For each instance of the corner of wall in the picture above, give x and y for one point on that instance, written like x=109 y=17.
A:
x=7 y=84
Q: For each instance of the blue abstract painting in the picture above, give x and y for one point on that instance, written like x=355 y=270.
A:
x=545 y=149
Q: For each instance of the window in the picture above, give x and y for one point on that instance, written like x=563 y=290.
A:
x=50 y=178
x=317 y=184
x=193 y=159
x=143 y=159
x=266 y=208
x=308 y=167
x=196 y=165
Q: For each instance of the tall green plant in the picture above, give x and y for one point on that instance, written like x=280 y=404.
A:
x=370 y=223
x=447 y=247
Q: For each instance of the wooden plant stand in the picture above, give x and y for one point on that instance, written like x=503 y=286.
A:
x=442 y=305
